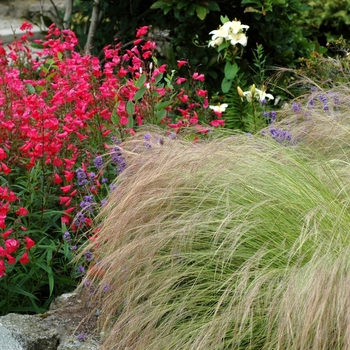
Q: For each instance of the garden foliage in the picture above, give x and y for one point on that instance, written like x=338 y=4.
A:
x=63 y=116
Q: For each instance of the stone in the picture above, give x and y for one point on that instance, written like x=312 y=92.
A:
x=69 y=324
x=7 y=341
x=4 y=9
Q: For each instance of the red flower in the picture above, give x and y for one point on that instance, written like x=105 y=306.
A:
x=66 y=189
x=64 y=199
x=141 y=31
x=11 y=245
x=22 y=211
x=24 y=259
x=197 y=76
x=29 y=242
x=11 y=260
x=181 y=63
x=2 y=268
x=69 y=175
x=2 y=252
x=3 y=154
x=69 y=210
x=6 y=234
x=217 y=122
x=5 y=168
x=65 y=219
x=180 y=80
x=57 y=180
x=26 y=26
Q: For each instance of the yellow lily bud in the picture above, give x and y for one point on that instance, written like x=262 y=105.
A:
x=252 y=90
x=240 y=92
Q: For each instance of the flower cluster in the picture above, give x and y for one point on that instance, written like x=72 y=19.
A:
x=232 y=32
x=255 y=94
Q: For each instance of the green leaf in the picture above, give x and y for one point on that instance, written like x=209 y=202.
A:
x=31 y=89
x=160 y=115
x=213 y=6
x=226 y=85
x=161 y=105
x=130 y=108
x=159 y=77
x=17 y=290
x=131 y=122
x=114 y=117
x=201 y=12
x=158 y=5
x=169 y=84
x=140 y=81
x=51 y=281
x=230 y=70
x=140 y=93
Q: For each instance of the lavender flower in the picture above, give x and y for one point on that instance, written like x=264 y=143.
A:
x=296 y=107
x=79 y=219
x=118 y=159
x=98 y=162
x=103 y=202
x=86 y=282
x=112 y=187
x=147 y=137
x=172 y=135
x=323 y=98
x=82 y=337
x=73 y=247
x=67 y=237
x=104 y=180
x=81 y=269
x=81 y=176
x=88 y=203
x=88 y=255
x=273 y=116
x=335 y=97
x=281 y=136
x=107 y=287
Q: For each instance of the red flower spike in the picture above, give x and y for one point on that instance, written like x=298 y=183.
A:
x=24 y=259
x=69 y=210
x=141 y=31
x=29 y=242
x=57 y=180
x=181 y=63
x=6 y=234
x=2 y=268
x=11 y=245
x=22 y=211
x=66 y=189
x=10 y=259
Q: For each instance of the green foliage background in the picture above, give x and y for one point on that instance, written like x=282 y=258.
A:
x=281 y=26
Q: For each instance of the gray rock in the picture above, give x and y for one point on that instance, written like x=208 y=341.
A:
x=7 y=342
x=4 y=9
x=30 y=332
x=60 y=328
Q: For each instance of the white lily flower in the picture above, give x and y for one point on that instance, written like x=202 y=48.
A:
x=216 y=42
x=232 y=31
x=220 y=108
x=260 y=95
x=222 y=32
x=239 y=38
x=236 y=27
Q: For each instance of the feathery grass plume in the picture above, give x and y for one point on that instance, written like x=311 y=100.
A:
x=235 y=243
x=321 y=120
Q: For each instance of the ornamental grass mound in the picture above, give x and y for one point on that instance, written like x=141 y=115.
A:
x=233 y=243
